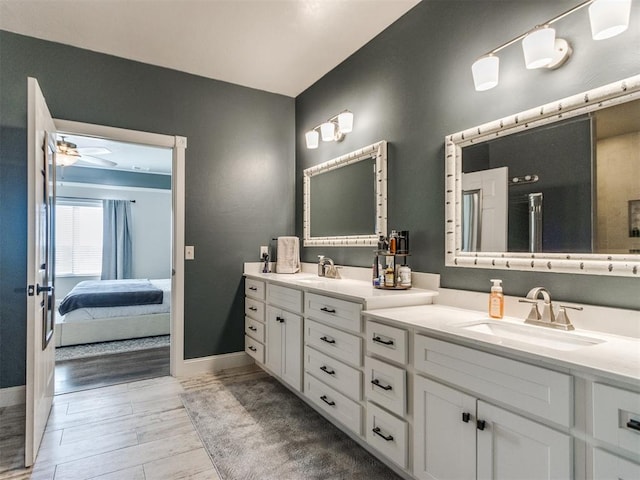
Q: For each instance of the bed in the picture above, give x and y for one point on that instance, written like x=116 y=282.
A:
x=87 y=319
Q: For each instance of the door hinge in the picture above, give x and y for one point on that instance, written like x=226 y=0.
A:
x=31 y=290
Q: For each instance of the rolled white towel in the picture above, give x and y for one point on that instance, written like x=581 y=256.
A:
x=288 y=255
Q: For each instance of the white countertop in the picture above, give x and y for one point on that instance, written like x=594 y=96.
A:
x=352 y=290
x=617 y=357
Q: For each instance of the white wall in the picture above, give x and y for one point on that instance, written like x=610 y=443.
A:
x=151 y=228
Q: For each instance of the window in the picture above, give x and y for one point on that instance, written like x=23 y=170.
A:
x=78 y=237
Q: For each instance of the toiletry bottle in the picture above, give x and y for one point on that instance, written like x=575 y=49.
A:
x=496 y=300
x=393 y=241
x=389 y=277
x=404 y=273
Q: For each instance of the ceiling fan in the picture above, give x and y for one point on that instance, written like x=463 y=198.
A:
x=69 y=154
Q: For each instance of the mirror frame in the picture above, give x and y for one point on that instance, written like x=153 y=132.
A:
x=594 y=264
x=377 y=150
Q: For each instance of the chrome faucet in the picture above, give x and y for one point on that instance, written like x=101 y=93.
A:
x=324 y=270
x=548 y=318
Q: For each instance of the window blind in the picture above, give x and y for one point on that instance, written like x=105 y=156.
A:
x=78 y=237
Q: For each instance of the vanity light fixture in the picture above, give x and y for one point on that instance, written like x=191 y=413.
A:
x=333 y=129
x=542 y=48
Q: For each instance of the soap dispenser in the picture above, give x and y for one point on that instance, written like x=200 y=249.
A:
x=496 y=300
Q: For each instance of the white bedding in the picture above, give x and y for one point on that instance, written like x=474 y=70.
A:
x=97 y=313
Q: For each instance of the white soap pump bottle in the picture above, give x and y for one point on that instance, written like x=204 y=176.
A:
x=496 y=300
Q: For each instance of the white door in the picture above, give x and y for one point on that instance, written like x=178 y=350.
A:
x=511 y=447
x=444 y=437
x=40 y=350
x=292 y=350
x=493 y=185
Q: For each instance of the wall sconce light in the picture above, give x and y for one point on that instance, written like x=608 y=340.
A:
x=540 y=46
x=333 y=129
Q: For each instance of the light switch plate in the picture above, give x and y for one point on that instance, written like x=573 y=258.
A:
x=264 y=249
x=189 y=252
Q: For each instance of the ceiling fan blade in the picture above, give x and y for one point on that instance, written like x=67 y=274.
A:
x=93 y=150
x=95 y=161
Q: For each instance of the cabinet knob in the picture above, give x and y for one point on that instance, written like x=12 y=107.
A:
x=280 y=319
x=328 y=340
x=328 y=310
x=383 y=342
x=327 y=401
x=633 y=424
x=326 y=370
x=253 y=309
x=377 y=383
x=253 y=288
x=377 y=431
x=466 y=416
x=481 y=424
x=252 y=328
x=252 y=348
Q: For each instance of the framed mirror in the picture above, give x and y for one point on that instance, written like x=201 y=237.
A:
x=345 y=199
x=549 y=189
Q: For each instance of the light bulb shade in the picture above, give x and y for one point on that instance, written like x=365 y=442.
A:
x=312 y=138
x=539 y=47
x=65 y=159
x=328 y=131
x=345 y=121
x=609 y=18
x=485 y=72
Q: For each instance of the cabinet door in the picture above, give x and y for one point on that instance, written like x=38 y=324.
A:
x=607 y=466
x=292 y=349
x=444 y=438
x=511 y=447
x=274 y=340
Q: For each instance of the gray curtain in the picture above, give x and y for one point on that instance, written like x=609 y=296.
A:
x=116 y=244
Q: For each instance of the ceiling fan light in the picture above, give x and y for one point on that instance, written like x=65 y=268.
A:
x=312 y=138
x=609 y=18
x=65 y=159
x=485 y=72
x=539 y=47
x=328 y=131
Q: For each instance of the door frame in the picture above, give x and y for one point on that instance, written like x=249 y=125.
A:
x=178 y=145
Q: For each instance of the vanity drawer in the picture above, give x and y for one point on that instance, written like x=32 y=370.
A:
x=388 y=342
x=346 y=411
x=254 y=329
x=387 y=434
x=254 y=288
x=345 y=379
x=336 y=343
x=254 y=309
x=532 y=389
x=615 y=414
x=332 y=311
x=254 y=348
x=386 y=385
x=607 y=465
x=288 y=298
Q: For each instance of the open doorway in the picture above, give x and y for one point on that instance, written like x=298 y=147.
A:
x=113 y=262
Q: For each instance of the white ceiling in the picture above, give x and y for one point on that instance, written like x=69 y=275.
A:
x=280 y=46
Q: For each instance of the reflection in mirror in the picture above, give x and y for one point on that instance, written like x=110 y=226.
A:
x=570 y=170
x=345 y=199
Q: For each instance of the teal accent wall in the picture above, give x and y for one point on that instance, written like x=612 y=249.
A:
x=239 y=175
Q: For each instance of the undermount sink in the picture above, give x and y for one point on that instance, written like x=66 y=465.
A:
x=541 y=336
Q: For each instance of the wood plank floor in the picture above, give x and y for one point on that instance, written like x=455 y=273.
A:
x=104 y=370
x=130 y=431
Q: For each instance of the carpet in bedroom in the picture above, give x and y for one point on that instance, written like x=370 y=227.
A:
x=257 y=429
x=106 y=348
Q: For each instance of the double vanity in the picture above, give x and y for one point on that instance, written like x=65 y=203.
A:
x=438 y=392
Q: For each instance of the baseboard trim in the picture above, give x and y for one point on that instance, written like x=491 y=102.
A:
x=213 y=364
x=12 y=396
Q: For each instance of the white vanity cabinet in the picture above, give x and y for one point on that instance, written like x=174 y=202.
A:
x=284 y=334
x=462 y=434
x=616 y=427
x=254 y=319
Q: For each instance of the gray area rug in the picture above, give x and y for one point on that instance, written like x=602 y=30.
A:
x=257 y=429
x=106 y=348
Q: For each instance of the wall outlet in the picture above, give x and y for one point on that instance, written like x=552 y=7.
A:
x=264 y=249
x=189 y=252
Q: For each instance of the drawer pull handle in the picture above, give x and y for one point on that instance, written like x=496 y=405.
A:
x=327 y=401
x=633 y=424
x=481 y=424
x=466 y=417
x=253 y=309
x=388 y=438
x=328 y=340
x=328 y=310
x=377 y=383
x=252 y=328
x=383 y=342
x=326 y=370
x=252 y=348
x=255 y=289
x=280 y=319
